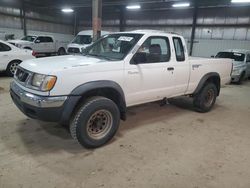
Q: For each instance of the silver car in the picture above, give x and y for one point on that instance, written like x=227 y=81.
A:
x=241 y=63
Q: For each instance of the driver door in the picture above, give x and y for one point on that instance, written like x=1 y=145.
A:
x=149 y=74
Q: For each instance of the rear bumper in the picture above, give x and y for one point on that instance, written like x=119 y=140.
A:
x=38 y=107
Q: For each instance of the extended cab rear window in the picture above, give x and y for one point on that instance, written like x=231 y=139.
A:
x=179 y=49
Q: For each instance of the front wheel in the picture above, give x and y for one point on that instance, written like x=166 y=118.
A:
x=11 y=68
x=96 y=122
x=205 y=99
x=61 y=51
x=242 y=76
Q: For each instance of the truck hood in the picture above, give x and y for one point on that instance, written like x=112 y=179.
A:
x=51 y=65
x=239 y=65
x=19 y=42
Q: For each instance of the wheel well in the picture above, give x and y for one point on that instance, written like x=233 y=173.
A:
x=61 y=48
x=216 y=81
x=28 y=48
x=18 y=60
x=109 y=93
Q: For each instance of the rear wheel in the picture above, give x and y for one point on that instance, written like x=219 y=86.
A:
x=96 y=122
x=11 y=68
x=205 y=99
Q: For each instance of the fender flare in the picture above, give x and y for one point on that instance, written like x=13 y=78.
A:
x=204 y=79
x=77 y=93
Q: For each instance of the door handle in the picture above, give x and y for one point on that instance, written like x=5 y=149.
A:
x=170 y=68
x=5 y=55
x=196 y=66
x=133 y=72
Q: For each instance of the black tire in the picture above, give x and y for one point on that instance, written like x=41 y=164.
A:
x=86 y=125
x=11 y=68
x=242 y=76
x=205 y=99
x=61 y=51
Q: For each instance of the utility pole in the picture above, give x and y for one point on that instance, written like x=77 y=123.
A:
x=122 y=19
x=96 y=18
x=23 y=18
x=193 y=27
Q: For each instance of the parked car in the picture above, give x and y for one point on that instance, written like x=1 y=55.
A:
x=241 y=63
x=11 y=57
x=92 y=92
x=82 y=40
x=41 y=44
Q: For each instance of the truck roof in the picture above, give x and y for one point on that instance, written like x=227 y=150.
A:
x=149 y=31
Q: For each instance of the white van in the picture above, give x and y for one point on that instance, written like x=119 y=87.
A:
x=81 y=41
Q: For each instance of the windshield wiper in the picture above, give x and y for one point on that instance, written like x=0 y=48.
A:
x=101 y=56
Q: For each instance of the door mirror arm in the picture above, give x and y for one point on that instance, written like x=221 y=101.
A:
x=138 y=58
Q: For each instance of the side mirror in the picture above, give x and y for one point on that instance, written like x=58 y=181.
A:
x=139 y=58
x=37 y=41
x=212 y=56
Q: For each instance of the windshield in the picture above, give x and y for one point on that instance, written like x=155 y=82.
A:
x=113 y=46
x=232 y=55
x=82 y=39
x=29 y=38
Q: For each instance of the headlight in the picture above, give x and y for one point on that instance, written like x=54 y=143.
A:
x=43 y=82
x=236 y=72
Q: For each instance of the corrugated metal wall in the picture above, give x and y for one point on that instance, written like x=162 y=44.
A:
x=10 y=23
x=218 y=28
x=207 y=48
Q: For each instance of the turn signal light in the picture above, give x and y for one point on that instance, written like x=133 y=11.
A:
x=50 y=83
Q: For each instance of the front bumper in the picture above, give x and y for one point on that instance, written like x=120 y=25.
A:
x=38 y=107
x=235 y=78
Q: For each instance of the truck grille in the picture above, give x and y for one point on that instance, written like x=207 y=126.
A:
x=73 y=50
x=21 y=75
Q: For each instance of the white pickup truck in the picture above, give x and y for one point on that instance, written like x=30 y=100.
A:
x=42 y=44
x=91 y=92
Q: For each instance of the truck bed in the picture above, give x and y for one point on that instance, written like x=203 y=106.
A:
x=200 y=66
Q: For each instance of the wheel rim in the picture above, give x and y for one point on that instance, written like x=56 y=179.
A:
x=209 y=98
x=99 y=124
x=13 y=67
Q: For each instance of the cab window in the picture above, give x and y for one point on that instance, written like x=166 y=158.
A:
x=48 y=39
x=39 y=40
x=179 y=49
x=4 y=47
x=153 y=50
